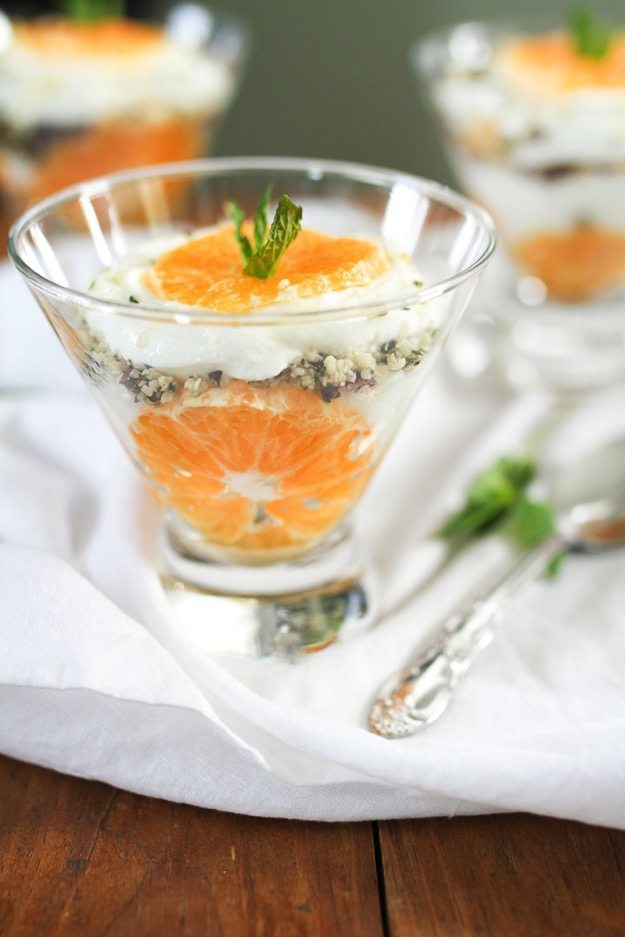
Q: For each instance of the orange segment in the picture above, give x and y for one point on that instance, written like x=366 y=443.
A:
x=116 y=145
x=60 y=37
x=575 y=265
x=208 y=271
x=550 y=64
x=257 y=469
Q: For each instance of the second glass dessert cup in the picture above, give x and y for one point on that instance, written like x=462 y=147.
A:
x=533 y=130
x=258 y=432
x=82 y=98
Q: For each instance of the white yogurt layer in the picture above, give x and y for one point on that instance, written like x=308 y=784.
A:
x=67 y=91
x=242 y=350
x=586 y=130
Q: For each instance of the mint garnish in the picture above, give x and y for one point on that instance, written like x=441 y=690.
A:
x=496 y=500
x=591 y=38
x=262 y=259
x=88 y=11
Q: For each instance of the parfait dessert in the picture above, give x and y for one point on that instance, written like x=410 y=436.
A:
x=259 y=440
x=82 y=97
x=256 y=353
x=536 y=130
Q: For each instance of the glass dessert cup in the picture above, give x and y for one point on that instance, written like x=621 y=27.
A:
x=534 y=132
x=84 y=99
x=258 y=432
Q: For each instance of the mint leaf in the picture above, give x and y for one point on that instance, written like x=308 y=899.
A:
x=262 y=261
x=591 y=38
x=496 y=500
x=88 y=11
x=238 y=217
x=490 y=496
x=530 y=522
x=555 y=565
x=285 y=227
x=260 y=219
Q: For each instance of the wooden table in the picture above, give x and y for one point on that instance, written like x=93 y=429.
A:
x=81 y=858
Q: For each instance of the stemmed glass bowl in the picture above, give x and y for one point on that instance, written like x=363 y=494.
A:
x=534 y=132
x=257 y=432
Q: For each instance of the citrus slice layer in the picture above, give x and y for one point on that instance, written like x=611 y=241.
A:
x=549 y=64
x=207 y=271
x=107 y=147
x=257 y=469
x=575 y=265
x=62 y=38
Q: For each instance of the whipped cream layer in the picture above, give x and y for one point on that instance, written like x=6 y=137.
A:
x=241 y=349
x=65 y=90
x=524 y=203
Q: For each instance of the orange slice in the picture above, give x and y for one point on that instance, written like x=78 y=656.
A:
x=257 y=469
x=116 y=145
x=207 y=271
x=549 y=64
x=60 y=37
x=575 y=265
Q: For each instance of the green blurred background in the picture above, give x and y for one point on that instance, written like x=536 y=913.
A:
x=331 y=78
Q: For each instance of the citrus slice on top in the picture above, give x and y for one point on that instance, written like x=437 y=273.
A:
x=64 y=38
x=550 y=64
x=207 y=271
x=257 y=469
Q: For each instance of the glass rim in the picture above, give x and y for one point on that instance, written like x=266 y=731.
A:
x=235 y=56
x=495 y=26
x=218 y=17
x=314 y=169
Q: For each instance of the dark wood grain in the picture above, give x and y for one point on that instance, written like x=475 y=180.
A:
x=81 y=859
x=502 y=875
x=78 y=858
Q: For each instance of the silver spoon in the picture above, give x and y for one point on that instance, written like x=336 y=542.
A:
x=589 y=498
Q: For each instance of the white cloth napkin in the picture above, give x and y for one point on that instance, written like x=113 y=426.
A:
x=98 y=679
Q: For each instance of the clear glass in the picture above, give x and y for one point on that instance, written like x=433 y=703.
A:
x=258 y=432
x=549 y=165
x=79 y=100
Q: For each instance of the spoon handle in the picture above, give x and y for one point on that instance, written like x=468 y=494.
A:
x=418 y=694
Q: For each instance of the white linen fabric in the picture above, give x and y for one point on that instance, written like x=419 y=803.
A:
x=98 y=678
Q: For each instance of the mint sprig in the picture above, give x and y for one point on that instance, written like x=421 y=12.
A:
x=262 y=259
x=88 y=11
x=490 y=497
x=591 y=38
x=497 y=500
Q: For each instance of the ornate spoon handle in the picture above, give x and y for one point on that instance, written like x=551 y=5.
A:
x=417 y=695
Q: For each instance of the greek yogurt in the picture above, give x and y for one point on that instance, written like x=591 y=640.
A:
x=185 y=345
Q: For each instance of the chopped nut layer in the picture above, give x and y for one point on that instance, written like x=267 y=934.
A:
x=328 y=375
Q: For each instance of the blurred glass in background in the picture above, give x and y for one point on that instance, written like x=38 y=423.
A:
x=83 y=97
x=332 y=78
x=532 y=113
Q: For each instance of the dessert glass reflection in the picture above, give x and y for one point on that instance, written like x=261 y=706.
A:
x=257 y=404
x=535 y=131
x=80 y=99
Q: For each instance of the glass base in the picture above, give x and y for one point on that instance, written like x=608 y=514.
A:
x=284 y=609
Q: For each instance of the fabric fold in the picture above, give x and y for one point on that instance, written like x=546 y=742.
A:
x=99 y=679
